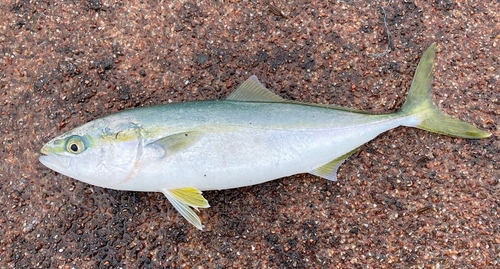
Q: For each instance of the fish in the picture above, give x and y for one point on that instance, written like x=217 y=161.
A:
x=251 y=137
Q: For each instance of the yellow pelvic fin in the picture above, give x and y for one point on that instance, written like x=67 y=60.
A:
x=185 y=198
x=190 y=196
x=329 y=170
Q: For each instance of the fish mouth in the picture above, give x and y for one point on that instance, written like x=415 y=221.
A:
x=53 y=162
x=44 y=150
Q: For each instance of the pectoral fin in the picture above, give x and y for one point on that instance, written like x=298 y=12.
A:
x=174 y=143
x=329 y=170
x=184 y=199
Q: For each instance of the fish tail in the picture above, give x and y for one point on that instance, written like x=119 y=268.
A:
x=420 y=105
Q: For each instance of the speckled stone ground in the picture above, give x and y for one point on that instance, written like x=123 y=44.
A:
x=407 y=199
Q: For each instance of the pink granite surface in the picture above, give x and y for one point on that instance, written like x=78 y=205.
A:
x=408 y=199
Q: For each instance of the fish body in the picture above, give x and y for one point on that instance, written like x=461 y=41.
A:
x=251 y=137
x=223 y=144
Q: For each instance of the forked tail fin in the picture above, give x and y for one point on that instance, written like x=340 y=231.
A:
x=419 y=103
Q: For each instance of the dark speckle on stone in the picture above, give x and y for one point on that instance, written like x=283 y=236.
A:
x=261 y=56
x=21 y=23
x=308 y=64
x=69 y=69
x=40 y=84
x=201 y=58
x=95 y=4
x=85 y=95
x=107 y=64
x=125 y=93
x=445 y=5
x=366 y=29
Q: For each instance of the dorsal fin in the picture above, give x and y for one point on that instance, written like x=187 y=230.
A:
x=253 y=90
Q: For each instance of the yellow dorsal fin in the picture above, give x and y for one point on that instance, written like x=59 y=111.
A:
x=253 y=91
x=185 y=198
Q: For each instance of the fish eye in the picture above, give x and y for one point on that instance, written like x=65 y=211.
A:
x=75 y=145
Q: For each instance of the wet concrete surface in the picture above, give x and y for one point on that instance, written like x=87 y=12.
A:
x=407 y=199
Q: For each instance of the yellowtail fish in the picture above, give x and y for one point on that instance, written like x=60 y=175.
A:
x=249 y=138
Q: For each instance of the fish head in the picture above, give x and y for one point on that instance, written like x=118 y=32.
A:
x=102 y=152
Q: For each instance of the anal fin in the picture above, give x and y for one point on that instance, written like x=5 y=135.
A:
x=329 y=170
x=184 y=200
